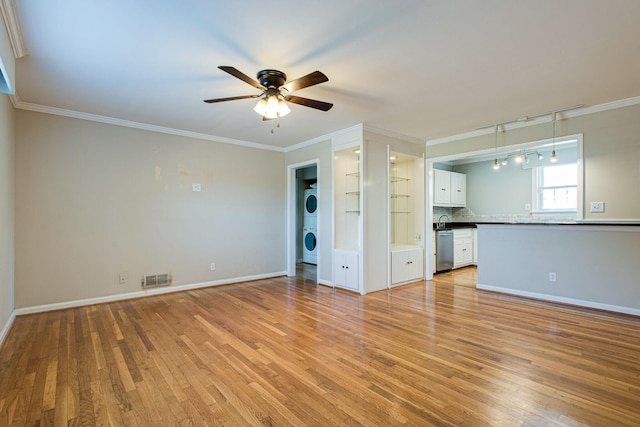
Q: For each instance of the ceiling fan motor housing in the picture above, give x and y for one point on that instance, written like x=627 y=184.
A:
x=271 y=78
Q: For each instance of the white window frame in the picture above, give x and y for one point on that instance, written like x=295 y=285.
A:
x=536 y=194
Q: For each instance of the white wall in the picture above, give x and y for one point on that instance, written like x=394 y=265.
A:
x=6 y=212
x=94 y=200
x=595 y=266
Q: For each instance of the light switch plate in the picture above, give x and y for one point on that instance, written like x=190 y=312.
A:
x=597 y=206
x=196 y=187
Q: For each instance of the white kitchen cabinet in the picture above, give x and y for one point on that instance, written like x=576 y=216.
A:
x=462 y=247
x=346 y=269
x=449 y=188
x=441 y=187
x=406 y=265
x=458 y=189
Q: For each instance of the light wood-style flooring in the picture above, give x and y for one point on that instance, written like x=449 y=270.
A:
x=284 y=352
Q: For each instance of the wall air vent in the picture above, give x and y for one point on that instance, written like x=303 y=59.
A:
x=156 y=280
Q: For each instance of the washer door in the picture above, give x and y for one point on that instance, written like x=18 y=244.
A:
x=310 y=241
x=311 y=204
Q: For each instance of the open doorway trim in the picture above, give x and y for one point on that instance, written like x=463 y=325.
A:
x=429 y=233
x=291 y=215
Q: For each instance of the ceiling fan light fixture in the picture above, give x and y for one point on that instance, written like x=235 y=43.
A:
x=272 y=107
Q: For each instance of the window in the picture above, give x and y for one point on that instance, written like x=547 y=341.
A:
x=557 y=188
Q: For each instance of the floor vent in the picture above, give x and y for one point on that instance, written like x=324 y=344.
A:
x=156 y=280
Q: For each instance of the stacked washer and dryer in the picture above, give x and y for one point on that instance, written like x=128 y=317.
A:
x=310 y=226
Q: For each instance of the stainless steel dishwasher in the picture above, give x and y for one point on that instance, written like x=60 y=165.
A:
x=444 y=250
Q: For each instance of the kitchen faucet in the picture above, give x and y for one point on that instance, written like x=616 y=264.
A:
x=440 y=223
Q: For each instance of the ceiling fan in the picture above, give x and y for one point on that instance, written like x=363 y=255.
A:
x=275 y=91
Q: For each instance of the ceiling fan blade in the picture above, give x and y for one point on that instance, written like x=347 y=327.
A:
x=309 y=80
x=232 y=98
x=318 y=105
x=240 y=75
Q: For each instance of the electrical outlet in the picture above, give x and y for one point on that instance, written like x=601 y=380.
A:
x=417 y=237
x=196 y=187
x=552 y=276
x=597 y=206
x=527 y=207
x=212 y=266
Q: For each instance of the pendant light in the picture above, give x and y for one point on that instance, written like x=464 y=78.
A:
x=553 y=157
x=496 y=165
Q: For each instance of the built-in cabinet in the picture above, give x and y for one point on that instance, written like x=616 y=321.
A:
x=347 y=217
x=406 y=183
x=449 y=188
x=346 y=269
x=406 y=265
x=378 y=198
x=462 y=247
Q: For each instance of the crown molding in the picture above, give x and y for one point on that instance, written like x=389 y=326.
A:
x=8 y=9
x=137 y=125
x=393 y=134
x=516 y=125
x=321 y=138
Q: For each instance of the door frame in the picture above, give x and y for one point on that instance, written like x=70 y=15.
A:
x=291 y=252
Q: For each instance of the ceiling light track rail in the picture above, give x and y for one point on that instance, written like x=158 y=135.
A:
x=528 y=118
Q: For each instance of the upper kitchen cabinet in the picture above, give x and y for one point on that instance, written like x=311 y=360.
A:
x=449 y=188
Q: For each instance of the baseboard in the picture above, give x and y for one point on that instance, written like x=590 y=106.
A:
x=562 y=300
x=325 y=282
x=7 y=326
x=144 y=293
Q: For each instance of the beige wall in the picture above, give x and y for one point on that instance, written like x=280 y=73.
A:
x=611 y=156
x=6 y=210
x=94 y=200
x=595 y=266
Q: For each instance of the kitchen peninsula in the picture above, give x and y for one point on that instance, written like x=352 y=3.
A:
x=571 y=263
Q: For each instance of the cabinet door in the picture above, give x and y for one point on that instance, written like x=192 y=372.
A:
x=458 y=189
x=399 y=271
x=462 y=247
x=467 y=251
x=351 y=272
x=415 y=264
x=346 y=269
x=441 y=187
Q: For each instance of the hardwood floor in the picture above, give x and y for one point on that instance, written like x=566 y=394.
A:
x=287 y=352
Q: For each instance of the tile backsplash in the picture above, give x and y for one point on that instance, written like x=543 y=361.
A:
x=467 y=215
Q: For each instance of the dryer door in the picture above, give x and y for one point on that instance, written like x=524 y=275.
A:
x=310 y=204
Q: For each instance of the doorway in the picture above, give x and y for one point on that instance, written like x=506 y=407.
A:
x=303 y=220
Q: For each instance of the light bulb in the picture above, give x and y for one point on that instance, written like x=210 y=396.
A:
x=496 y=165
x=553 y=158
x=505 y=161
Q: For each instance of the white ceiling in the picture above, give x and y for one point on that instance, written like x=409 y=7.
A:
x=422 y=68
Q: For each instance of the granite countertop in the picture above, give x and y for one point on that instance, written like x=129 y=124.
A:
x=469 y=224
